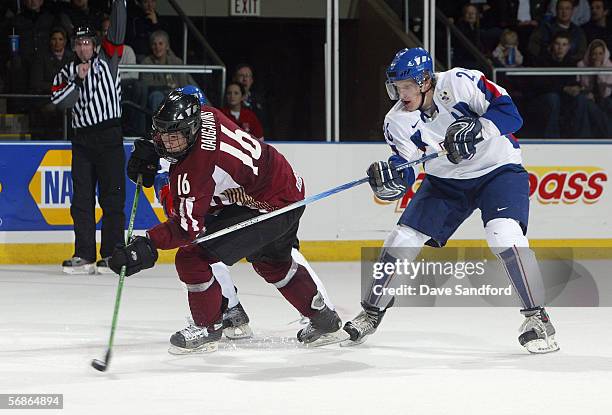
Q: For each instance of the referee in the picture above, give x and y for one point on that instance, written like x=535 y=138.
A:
x=91 y=86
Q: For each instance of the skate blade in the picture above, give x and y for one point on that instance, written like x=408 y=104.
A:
x=541 y=346
x=242 y=331
x=104 y=270
x=329 y=338
x=84 y=270
x=351 y=343
x=203 y=349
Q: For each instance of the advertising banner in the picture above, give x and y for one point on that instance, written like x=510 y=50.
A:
x=569 y=185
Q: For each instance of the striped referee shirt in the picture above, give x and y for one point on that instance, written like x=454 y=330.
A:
x=96 y=99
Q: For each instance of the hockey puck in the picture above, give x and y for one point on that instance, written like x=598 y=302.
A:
x=99 y=365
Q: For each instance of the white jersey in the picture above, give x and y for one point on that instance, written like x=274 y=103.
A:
x=458 y=92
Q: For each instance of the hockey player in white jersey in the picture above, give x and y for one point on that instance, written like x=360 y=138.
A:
x=473 y=119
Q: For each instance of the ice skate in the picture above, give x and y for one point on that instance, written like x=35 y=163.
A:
x=236 y=323
x=363 y=325
x=195 y=339
x=102 y=266
x=537 y=332
x=77 y=265
x=324 y=327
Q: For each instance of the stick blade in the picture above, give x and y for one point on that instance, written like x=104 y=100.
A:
x=99 y=365
x=102 y=365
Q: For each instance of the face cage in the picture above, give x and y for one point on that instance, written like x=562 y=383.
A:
x=173 y=156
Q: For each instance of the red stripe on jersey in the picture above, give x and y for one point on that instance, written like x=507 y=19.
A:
x=110 y=48
x=490 y=87
x=59 y=87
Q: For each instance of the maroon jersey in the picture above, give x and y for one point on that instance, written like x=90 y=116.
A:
x=225 y=166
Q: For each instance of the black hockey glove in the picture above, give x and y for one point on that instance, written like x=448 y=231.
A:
x=461 y=138
x=144 y=160
x=137 y=255
x=385 y=181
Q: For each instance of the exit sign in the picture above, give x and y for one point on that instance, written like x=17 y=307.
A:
x=245 y=7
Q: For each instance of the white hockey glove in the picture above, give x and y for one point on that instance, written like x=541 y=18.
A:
x=461 y=138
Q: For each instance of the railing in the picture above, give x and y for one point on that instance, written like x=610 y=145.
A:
x=41 y=97
x=549 y=71
x=451 y=29
x=189 y=26
x=190 y=69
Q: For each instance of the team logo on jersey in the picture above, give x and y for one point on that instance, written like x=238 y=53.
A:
x=444 y=97
x=51 y=188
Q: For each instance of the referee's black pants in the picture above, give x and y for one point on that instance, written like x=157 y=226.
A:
x=98 y=159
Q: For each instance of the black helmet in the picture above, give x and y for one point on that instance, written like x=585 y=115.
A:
x=178 y=113
x=83 y=32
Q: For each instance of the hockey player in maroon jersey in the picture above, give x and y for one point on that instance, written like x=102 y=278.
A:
x=220 y=176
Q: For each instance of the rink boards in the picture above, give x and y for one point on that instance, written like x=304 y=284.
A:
x=569 y=180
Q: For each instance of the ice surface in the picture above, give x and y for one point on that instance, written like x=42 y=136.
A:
x=422 y=360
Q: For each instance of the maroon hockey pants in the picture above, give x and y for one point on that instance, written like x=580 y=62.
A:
x=204 y=292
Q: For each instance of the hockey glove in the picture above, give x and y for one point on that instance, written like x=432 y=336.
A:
x=137 y=255
x=144 y=160
x=385 y=181
x=461 y=138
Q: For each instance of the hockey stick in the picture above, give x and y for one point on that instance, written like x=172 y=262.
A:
x=102 y=365
x=308 y=200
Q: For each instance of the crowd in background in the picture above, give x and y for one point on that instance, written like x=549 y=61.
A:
x=550 y=34
x=510 y=33
x=39 y=45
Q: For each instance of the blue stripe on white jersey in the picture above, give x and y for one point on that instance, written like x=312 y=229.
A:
x=502 y=111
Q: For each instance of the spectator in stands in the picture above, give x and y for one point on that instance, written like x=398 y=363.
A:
x=541 y=37
x=253 y=98
x=522 y=16
x=560 y=97
x=235 y=109
x=160 y=84
x=80 y=14
x=582 y=11
x=133 y=91
x=46 y=121
x=598 y=89
x=32 y=25
x=140 y=27
x=597 y=27
x=521 y=13
x=507 y=53
x=469 y=25
x=47 y=65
